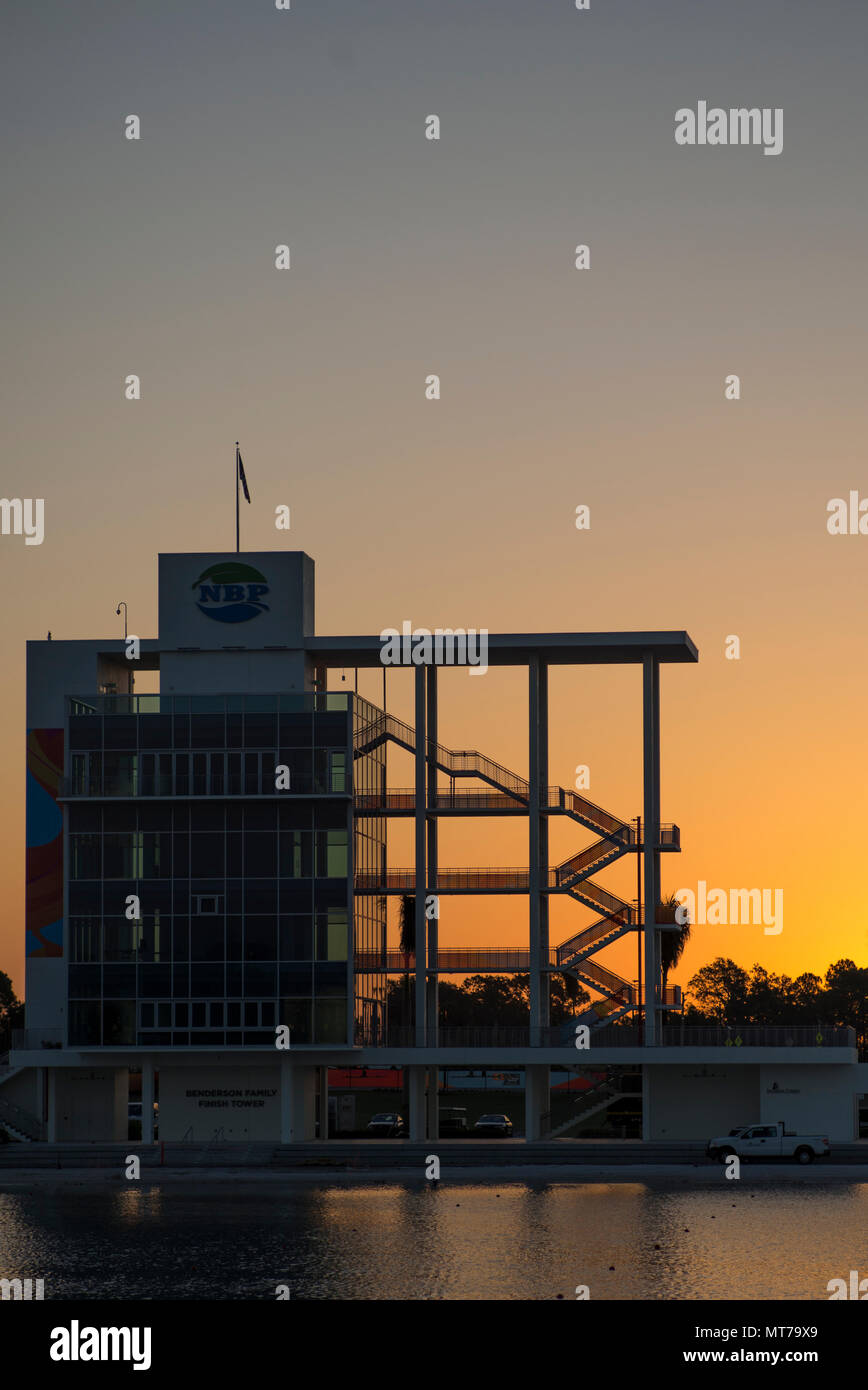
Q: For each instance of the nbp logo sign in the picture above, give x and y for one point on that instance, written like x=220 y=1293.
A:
x=230 y=592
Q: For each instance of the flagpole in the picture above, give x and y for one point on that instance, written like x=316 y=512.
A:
x=237 y=521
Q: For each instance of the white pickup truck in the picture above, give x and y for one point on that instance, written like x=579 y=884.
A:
x=762 y=1142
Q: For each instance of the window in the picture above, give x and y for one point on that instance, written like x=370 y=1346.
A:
x=337 y=772
x=331 y=934
x=296 y=937
x=331 y=1020
x=153 y=937
x=85 y=856
x=207 y=856
x=260 y=895
x=331 y=858
x=123 y=855
x=84 y=981
x=85 y=936
x=119 y=1023
x=119 y=981
x=297 y=1014
x=84 y=1023
x=207 y=904
x=260 y=979
x=260 y=854
x=296 y=856
x=207 y=940
x=80 y=784
x=260 y=938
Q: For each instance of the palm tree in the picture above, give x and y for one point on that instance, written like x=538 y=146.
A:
x=672 y=943
x=407 y=944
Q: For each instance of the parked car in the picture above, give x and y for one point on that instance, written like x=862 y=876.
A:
x=454 y=1123
x=493 y=1125
x=134 y=1119
x=769 y=1141
x=387 y=1126
x=134 y=1109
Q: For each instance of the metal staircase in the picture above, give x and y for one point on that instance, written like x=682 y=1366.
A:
x=597 y=1098
x=20 y=1123
x=573 y=876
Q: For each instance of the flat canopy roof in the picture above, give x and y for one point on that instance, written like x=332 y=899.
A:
x=515 y=649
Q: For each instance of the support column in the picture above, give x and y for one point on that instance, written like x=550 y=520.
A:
x=297 y=1103
x=420 y=885
x=417 y=1104
x=538 y=846
x=432 y=923
x=323 y=1103
x=433 y=1104
x=51 y=1118
x=545 y=977
x=646 y=1103
x=651 y=831
x=147 y=1102
x=536 y=1099
x=285 y=1101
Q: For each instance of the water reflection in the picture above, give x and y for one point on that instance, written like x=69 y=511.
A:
x=405 y=1240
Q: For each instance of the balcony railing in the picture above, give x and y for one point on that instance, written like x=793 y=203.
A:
x=629 y=1035
x=758 y=1035
x=456 y=960
x=244 y=784
x=465 y=1037
x=302 y=702
x=751 y=1035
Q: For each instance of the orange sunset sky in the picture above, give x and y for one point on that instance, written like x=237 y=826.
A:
x=602 y=387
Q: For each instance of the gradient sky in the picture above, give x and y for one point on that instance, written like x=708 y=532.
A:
x=559 y=387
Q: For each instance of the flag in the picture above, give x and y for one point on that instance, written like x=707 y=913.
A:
x=241 y=475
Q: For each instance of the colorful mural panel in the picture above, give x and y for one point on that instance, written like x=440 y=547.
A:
x=44 y=841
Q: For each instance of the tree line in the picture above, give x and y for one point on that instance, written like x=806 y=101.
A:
x=723 y=992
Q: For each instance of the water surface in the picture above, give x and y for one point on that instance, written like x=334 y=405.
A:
x=474 y=1240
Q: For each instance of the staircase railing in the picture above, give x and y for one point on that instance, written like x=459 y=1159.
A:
x=606 y=1088
x=606 y=981
x=586 y=810
x=609 y=904
x=605 y=927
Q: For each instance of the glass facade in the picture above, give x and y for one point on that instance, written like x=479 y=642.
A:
x=244 y=890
